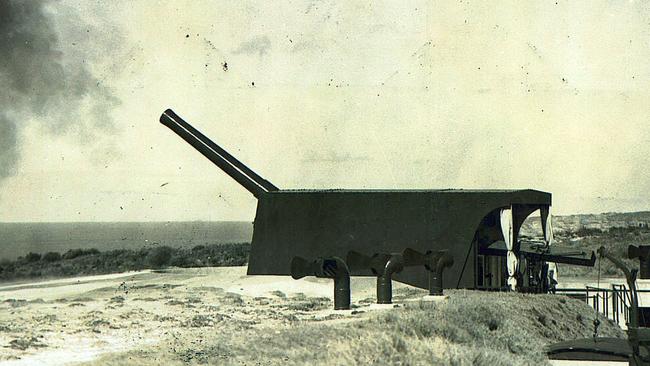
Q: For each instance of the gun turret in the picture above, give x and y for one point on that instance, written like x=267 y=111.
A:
x=220 y=157
x=330 y=223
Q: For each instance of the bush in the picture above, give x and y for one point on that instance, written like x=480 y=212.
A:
x=74 y=253
x=179 y=261
x=587 y=232
x=160 y=256
x=91 y=251
x=32 y=257
x=92 y=261
x=52 y=257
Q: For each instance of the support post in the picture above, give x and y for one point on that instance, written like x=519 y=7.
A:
x=509 y=238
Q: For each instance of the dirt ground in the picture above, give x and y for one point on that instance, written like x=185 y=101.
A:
x=77 y=320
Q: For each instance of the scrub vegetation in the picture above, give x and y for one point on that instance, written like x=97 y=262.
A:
x=616 y=240
x=76 y=262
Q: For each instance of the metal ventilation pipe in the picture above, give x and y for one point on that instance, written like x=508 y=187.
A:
x=440 y=262
x=394 y=264
x=383 y=266
x=334 y=268
x=435 y=263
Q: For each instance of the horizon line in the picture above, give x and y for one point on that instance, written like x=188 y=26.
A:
x=251 y=222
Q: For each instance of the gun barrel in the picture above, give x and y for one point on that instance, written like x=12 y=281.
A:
x=220 y=157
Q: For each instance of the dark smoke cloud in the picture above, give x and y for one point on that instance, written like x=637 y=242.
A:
x=44 y=82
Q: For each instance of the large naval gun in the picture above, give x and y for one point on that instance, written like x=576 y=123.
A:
x=302 y=232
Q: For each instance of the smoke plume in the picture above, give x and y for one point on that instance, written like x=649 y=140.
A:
x=45 y=81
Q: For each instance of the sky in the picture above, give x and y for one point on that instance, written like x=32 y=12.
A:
x=319 y=94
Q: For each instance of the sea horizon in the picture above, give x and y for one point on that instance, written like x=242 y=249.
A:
x=20 y=238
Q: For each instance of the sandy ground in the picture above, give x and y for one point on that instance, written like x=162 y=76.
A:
x=67 y=321
x=76 y=320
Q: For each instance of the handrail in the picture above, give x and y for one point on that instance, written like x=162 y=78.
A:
x=630 y=277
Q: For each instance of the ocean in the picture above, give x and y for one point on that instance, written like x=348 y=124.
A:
x=18 y=239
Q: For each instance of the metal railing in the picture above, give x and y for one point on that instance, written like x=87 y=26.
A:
x=621 y=302
x=613 y=303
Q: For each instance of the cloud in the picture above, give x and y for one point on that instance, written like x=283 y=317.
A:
x=332 y=157
x=45 y=82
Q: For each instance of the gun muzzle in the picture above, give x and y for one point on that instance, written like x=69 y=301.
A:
x=220 y=157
